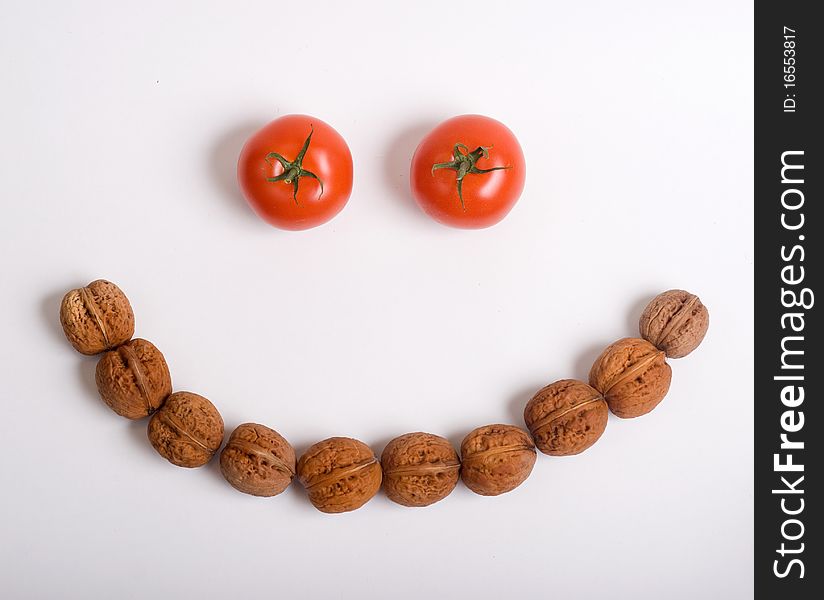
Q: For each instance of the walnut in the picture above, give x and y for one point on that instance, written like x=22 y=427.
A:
x=134 y=379
x=187 y=430
x=257 y=460
x=566 y=417
x=496 y=459
x=633 y=376
x=419 y=469
x=340 y=474
x=675 y=322
x=97 y=317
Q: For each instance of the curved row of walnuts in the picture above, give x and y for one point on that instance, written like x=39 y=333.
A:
x=341 y=474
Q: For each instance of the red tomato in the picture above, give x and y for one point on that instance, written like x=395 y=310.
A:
x=296 y=172
x=468 y=172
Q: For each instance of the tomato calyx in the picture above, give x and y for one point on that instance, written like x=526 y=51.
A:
x=463 y=163
x=293 y=171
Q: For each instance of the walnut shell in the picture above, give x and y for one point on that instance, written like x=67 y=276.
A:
x=419 y=469
x=675 y=322
x=633 y=375
x=133 y=379
x=496 y=459
x=566 y=417
x=340 y=474
x=97 y=317
x=187 y=430
x=257 y=460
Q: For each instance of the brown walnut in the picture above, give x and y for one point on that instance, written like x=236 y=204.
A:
x=257 y=460
x=496 y=459
x=340 y=474
x=419 y=469
x=633 y=376
x=675 y=322
x=133 y=379
x=566 y=417
x=187 y=430
x=97 y=317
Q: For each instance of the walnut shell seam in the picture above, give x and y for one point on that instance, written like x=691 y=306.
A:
x=133 y=364
x=632 y=372
x=178 y=426
x=437 y=467
x=251 y=448
x=88 y=302
x=557 y=414
x=681 y=314
x=499 y=450
x=337 y=475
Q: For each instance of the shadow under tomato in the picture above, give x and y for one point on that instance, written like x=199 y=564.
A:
x=397 y=157
x=223 y=164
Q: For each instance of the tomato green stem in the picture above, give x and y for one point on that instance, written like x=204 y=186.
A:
x=463 y=163
x=293 y=171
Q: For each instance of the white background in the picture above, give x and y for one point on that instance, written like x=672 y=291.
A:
x=121 y=124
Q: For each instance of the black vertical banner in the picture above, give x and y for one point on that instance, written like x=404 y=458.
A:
x=789 y=191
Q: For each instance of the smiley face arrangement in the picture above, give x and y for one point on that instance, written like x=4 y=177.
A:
x=340 y=474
